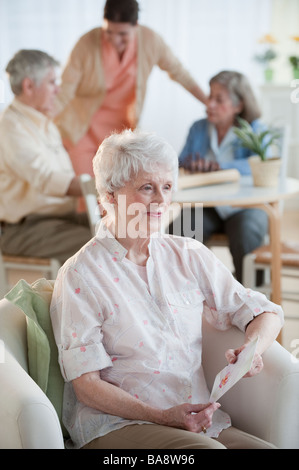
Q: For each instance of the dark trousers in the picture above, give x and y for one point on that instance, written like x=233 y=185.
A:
x=46 y=236
x=245 y=230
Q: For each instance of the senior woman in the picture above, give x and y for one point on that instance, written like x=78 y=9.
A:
x=127 y=312
x=212 y=145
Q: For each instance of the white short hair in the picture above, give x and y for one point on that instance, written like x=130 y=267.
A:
x=30 y=63
x=121 y=156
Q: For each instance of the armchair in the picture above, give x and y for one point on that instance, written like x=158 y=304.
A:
x=266 y=405
x=28 y=418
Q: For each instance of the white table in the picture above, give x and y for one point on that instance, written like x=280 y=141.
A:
x=243 y=194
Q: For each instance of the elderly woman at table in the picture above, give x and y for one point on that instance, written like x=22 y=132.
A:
x=212 y=145
x=127 y=315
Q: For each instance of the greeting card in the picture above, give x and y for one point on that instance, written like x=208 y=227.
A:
x=232 y=373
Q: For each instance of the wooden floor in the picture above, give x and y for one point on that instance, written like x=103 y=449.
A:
x=290 y=232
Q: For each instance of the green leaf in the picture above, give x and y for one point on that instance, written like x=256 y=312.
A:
x=256 y=142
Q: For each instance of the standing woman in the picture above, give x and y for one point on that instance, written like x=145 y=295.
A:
x=104 y=81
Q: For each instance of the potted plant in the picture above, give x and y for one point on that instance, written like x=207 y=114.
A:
x=267 y=56
x=265 y=171
x=294 y=59
x=266 y=59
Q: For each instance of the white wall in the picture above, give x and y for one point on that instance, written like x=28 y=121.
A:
x=207 y=35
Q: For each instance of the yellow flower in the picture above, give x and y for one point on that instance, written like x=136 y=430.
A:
x=267 y=39
x=295 y=38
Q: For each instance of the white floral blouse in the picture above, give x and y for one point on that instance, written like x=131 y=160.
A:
x=143 y=332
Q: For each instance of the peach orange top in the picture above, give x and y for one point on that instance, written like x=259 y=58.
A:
x=120 y=78
x=117 y=110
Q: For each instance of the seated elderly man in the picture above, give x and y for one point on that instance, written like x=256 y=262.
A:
x=37 y=183
x=127 y=316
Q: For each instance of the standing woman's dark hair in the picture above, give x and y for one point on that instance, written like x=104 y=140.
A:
x=121 y=11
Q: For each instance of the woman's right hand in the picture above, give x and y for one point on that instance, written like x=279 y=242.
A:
x=192 y=417
x=199 y=165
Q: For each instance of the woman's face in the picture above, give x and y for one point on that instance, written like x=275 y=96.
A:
x=119 y=34
x=220 y=108
x=141 y=203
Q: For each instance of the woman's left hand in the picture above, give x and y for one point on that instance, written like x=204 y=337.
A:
x=257 y=363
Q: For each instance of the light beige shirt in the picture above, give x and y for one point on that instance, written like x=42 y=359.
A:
x=83 y=87
x=144 y=333
x=35 y=169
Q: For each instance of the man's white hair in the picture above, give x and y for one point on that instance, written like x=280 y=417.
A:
x=28 y=63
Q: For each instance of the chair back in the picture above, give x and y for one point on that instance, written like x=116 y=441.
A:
x=281 y=147
x=3 y=288
x=88 y=188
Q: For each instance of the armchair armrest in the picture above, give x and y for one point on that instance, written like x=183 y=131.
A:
x=28 y=419
x=265 y=405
